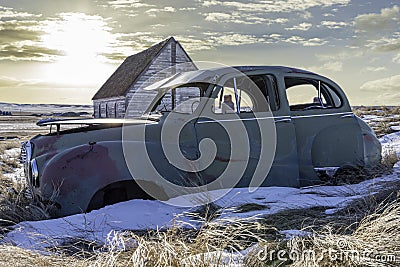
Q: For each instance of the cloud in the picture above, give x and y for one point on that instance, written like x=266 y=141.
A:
x=242 y=18
x=152 y=12
x=375 y=69
x=388 y=18
x=379 y=31
x=385 y=44
x=7 y=13
x=274 y=6
x=11 y=82
x=334 y=66
x=305 y=42
x=385 y=85
x=124 y=4
x=212 y=40
x=20 y=38
x=305 y=26
x=334 y=24
x=27 y=53
x=344 y=55
x=235 y=39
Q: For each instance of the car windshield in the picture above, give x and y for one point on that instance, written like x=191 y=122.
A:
x=179 y=93
x=233 y=92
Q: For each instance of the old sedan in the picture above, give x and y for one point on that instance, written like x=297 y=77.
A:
x=202 y=131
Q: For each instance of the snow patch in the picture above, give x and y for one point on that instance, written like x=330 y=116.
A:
x=390 y=143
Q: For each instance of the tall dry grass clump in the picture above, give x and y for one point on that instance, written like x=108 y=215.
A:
x=215 y=243
x=374 y=242
x=16 y=205
x=18 y=257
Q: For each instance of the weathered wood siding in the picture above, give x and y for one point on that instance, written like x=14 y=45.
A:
x=139 y=99
x=109 y=108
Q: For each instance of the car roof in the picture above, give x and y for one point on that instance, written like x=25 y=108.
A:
x=273 y=69
x=212 y=75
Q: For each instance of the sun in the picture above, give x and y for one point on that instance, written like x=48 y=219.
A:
x=82 y=39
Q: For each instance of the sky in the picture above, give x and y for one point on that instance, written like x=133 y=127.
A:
x=63 y=51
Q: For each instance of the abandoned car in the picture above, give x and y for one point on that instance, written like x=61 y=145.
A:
x=295 y=127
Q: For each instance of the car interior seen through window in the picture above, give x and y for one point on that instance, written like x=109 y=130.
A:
x=305 y=94
x=250 y=94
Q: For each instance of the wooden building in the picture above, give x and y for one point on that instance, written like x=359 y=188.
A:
x=125 y=85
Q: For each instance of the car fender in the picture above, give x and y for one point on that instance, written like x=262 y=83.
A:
x=326 y=150
x=73 y=176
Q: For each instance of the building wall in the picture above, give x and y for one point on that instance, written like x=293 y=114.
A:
x=161 y=68
x=109 y=108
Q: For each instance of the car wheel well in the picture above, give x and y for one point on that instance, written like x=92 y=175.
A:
x=116 y=192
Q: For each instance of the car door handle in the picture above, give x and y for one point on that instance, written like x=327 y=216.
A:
x=347 y=116
x=283 y=120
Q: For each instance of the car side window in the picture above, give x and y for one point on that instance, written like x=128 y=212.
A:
x=229 y=97
x=247 y=94
x=306 y=94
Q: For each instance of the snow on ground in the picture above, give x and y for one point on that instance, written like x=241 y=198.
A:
x=151 y=214
x=391 y=143
x=395 y=127
x=18 y=173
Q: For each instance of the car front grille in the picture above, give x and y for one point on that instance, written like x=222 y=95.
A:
x=23 y=153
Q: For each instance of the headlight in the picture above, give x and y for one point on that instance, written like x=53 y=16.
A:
x=34 y=173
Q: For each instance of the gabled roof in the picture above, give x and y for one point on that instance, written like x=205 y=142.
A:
x=129 y=71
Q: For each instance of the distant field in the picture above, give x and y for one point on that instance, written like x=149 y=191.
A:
x=22 y=123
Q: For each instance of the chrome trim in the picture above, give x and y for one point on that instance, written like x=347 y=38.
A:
x=248 y=119
x=35 y=173
x=283 y=120
x=322 y=115
x=347 y=116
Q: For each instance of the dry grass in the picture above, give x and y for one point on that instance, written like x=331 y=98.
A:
x=5 y=145
x=17 y=206
x=215 y=243
x=382 y=126
x=377 y=234
x=371 y=224
x=358 y=235
x=15 y=203
x=18 y=257
x=390 y=158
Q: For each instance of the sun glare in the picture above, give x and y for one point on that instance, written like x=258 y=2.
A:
x=82 y=39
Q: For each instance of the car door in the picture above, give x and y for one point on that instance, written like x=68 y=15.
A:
x=267 y=154
x=327 y=133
